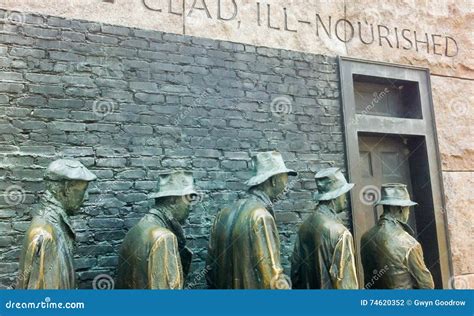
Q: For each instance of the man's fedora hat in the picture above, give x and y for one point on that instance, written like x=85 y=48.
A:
x=331 y=183
x=175 y=183
x=395 y=194
x=267 y=164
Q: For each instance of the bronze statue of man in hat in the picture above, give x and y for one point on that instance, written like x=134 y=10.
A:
x=244 y=247
x=154 y=254
x=46 y=259
x=323 y=257
x=391 y=247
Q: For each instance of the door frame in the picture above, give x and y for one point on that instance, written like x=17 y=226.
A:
x=371 y=124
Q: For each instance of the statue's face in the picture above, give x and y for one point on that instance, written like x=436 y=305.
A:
x=74 y=193
x=340 y=203
x=179 y=206
x=183 y=207
x=405 y=214
x=279 y=183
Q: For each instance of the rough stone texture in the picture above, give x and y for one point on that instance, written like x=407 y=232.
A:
x=453 y=102
x=129 y=106
x=459 y=201
x=441 y=18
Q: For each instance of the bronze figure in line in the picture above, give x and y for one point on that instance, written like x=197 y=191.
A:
x=46 y=260
x=244 y=247
x=323 y=257
x=391 y=247
x=154 y=254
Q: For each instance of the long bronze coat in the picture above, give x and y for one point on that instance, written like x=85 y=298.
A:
x=244 y=248
x=46 y=260
x=323 y=257
x=154 y=254
x=392 y=258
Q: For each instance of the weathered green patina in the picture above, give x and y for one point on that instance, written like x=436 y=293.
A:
x=244 y=247
x=390 y=246
x=154 y=254
x=46 y=260
x=323 y=257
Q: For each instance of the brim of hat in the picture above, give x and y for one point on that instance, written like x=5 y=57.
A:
x=86 y=176
x=89 y=176
x=335 y=193
x=265 y=176
x=172 y=193
x=396 y=202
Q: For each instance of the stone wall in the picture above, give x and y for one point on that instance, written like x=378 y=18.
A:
x=130 y=103
x=428 y=33
x=453 y=100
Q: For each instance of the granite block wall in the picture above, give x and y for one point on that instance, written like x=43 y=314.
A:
x=130 y=103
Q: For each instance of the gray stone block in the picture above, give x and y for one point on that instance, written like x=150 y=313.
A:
x=111 y=162
x=11 y=87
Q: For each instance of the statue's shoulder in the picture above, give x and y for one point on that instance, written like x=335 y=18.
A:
x=406 y=240
x=258 y=212
x=252 y=203
x=327 y=222
x=311 y=222
x=247 y=210
x=158 y=233
x=249 y=206
x=393 y=235
x=227 y=210
x=369 y=234
x=145 y=231
x=40 y=230
x=338 y=229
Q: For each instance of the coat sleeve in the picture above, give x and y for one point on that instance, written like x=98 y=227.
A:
x=296 y=265
x=418 y=270
x=266 y=252
x=164 y=263
x=39 y=268
x=211 y=258
x=343 y=270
